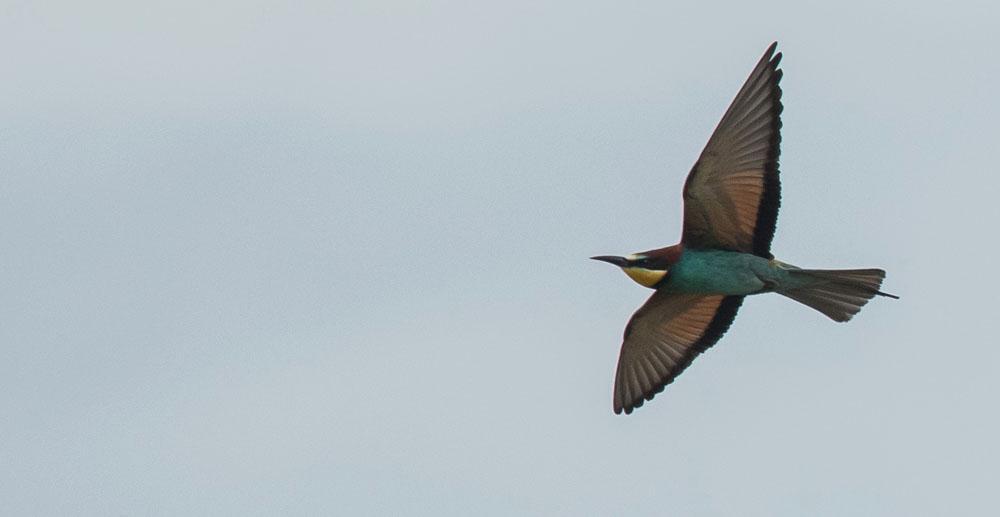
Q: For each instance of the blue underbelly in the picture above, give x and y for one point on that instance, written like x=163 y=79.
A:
x=719 y=272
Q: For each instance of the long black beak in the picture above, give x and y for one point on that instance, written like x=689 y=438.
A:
x=618 y=261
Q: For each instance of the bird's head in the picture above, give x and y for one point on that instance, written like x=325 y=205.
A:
x=648 y=268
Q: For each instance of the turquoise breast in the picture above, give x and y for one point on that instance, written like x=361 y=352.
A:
x=717 y=272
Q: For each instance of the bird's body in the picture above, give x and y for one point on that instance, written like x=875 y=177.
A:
x=731 y=200
x=722 y=272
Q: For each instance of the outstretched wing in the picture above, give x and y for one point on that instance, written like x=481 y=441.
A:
x=732 y=194
x=662 y=339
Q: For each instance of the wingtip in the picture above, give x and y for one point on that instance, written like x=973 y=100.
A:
x=627 y=410
x=771 y=57
x=621 y=406
x=632 y=406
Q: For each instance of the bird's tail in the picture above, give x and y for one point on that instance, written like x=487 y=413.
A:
x=838 y=293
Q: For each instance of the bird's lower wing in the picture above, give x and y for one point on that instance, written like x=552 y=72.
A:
x=662 y=339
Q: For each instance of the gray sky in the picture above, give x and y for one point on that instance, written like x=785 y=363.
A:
x=331 y=259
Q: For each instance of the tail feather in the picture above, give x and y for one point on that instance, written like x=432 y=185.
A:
x=839 y=294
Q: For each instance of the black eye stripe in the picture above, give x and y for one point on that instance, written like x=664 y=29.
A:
x=653 y=263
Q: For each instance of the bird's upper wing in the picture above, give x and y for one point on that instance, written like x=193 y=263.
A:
x=732 y=194
x=662 y=339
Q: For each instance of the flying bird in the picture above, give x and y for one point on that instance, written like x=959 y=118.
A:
x=731 y=199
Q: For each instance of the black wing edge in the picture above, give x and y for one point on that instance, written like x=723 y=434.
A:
x=723 y=319
x=770 y=201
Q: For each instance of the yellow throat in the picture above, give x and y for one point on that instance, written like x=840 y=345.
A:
x=643 y=276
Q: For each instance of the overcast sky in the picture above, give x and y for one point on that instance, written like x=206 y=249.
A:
x=331 y=259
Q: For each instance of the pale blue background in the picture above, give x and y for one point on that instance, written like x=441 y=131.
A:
x=331 y=259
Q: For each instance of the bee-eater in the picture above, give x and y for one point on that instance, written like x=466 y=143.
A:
x=731 y=199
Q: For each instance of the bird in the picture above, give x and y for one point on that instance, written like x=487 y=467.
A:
x=731 y=198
